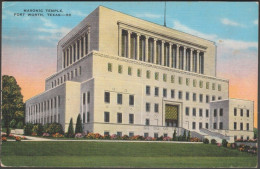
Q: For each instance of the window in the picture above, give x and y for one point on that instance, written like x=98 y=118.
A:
x=106 y=133
x=84 y=98
x=131 y=134
x=84 y=118
x=201 y=84
x=172 y=93
x=165 y=135
x=221 y=112
x=187 y=81
x=119 y=98
x=200 y=111
x=201 y=98
x=193 y=125
x=241 y=112
x=146 y=135
x=119 y=117
x=71 y=74
x=106 y=117
x=200 y=125
x=155 y=135
x=221 y=125
x=247 y=113
x=156 y=91
x=147 y=107
x=119 y=134
x=241 y=138
x=207 y=98
x=194 y=96
x=213 y=86
x=180 y=80
x=156 y=76
x=187 y=96
x=235 y=138
x=147 y=122
x=156 y=107
x=247 y=137
x=139 y=72
x=219 y=87
x=187 y=111
x=165 y=77
x=215 y=112
x=120 y=68
x=76 y=72
x=131 y=118
x=131 y=100
x=207 y=112
x=180 y=94
x=107 y=97
x=235 y=112
x=235 y=125
x=207 y=85
x=172 y=78
x=241 y=126
x=148 y=74
x=147 y=90
x=247 y=126
x=80 y=70
x=194 y=83
x=164 y=92
x=88 y=117
x=207 y=125
x=214 y=125
x=194 y=111
x=219 y=98
x=213 y=98
x=129 y=71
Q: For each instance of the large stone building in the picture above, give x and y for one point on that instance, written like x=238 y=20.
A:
x=128 y=76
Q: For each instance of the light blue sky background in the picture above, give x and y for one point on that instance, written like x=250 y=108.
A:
x=29 y=43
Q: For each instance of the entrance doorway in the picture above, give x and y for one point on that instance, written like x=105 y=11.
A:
x=171 y=115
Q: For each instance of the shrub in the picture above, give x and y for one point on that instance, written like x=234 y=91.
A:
x=188 y=137
x=218 y=144
x=57 y=135
x=234 y=145
x=19 y=125
x=34 y=134
x=174 y=135
x=148 y=139
x=70 y=129
x=17 y=138
x=54 y=128
x=107 y=137
x=194 y=139
x=125 y=137
x=228 y=145
x=114 y=137
x=213 y=141
x=184 y=138
x=13 y=123
x=38 y=129
x=45 y=127
x=79 y=128
x=206 y=141
x=224 y=143
x=28 y=129
x=35 y=128
x=4 y=139
x=78 y=135
x=46 y=135
x=167 y=139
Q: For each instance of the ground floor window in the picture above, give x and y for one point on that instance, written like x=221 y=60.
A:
x=106 y=133
x=119 y=133
x=146 y=135
x=155 y=135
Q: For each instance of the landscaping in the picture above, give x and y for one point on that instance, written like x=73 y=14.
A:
x=118 y=154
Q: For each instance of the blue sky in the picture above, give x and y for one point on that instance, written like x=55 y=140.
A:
x=29 y=43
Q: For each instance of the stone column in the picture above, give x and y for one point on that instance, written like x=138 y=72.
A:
x=137 y=46
x=184 y=58
x=68 y=56
x=88 y=40
x=73 y=53
x=162 y=51
x=154 y=50
x=76 y=52
x=84 y=45
x=170 y=54
x=146 y=48
x=129 y=44
x=119 y=41
x=177 y=56
x=80 y=48
x=198 y=55
x=191 y=60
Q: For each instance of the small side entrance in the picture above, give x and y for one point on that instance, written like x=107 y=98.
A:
x=171 y=115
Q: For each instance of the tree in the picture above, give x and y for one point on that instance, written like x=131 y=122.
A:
x=79 y=128
x=174 y=135
x=12 y=101
x=188 y=137
x=70 y=129
x=184 y=136
x=255 y=133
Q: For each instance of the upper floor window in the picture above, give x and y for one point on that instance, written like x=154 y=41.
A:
x=221 y=112
x=187 y=95
x=119 y=98
x=172 y=78
x=148 y=90
x=201 y=84
x=131 y=118
x=207 y=98
x=207 y=85
x=164 y=92
x=241 y=112
x=235 y=112
x=187 y=111
x=139 y=72
x=207 y=112
x=180 y=94
x=156 y=107
x=84 y=98
x=156 y=91
x=148 y=74
x=147 y=107
x=180 y=80
x=172 y=93
x=129 y=71
x=219 y=87
x=247 y=113
x=107 y=97
x=194 y=111
x=156 y=76
x=201 y=98
x=131 y=100
x=88 y=97
x=215 y=112
x=194 y=83
x=120 y=68
x=106 y=116
x=119 y=117
x=109 y=67
x=194 y=96
x=200 y=111
x=213 y=86
x=187 y=81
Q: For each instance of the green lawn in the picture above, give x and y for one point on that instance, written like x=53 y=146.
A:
x=107 y=154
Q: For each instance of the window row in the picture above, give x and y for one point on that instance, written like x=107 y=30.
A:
x=84 y=98
x=119 y=98
x=69 y=76
x=180 y=94
x=44 y=120
x=241 y=112
x=165 y=77
x=216 y=112
x=241 y=137
x=119 y=118
x=194 y=112
x=241 y=126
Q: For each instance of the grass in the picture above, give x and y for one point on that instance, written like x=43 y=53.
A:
x=112 y=154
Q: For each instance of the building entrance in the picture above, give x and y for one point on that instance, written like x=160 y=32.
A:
x=171 y=115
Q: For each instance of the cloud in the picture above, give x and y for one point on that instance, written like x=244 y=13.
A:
x=54 y=34
x=148 y=15
x=48 y=23
x=227 y=21
x=77 y=13
x=256 y=22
